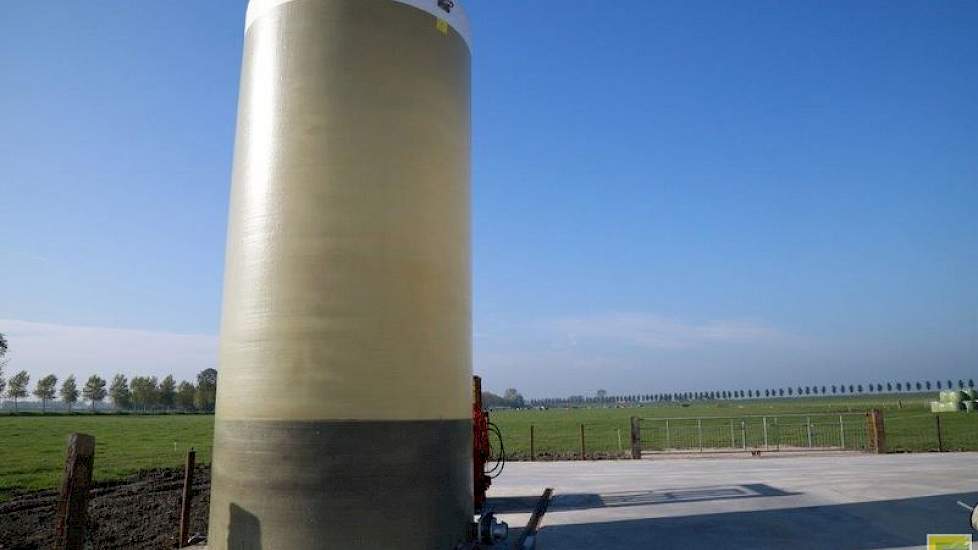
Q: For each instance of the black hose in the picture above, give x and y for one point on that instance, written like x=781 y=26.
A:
x=500 y=458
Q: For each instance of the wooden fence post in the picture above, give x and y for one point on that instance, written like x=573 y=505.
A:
x=940 y=438
x=877 y=431
x=871 y=428
x=880 y=433
x=71 y=515
x=188 y=484
x=636 y=438
x=583 y=454
x=533 y=455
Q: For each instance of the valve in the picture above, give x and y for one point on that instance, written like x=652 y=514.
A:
x=491 y=530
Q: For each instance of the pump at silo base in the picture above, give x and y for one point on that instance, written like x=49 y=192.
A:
x=488 y=530
x=488 y=462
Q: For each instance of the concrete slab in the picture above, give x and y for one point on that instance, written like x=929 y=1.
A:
x=851 y=501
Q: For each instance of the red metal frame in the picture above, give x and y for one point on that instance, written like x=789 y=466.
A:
x=481 y=452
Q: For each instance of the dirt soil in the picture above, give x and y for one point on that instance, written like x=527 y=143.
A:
x=142 y=511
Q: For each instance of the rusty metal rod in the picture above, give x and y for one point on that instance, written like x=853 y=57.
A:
x=188 y=484
x=531 y=526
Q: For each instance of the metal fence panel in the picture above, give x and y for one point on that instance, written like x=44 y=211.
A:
x=788 y=432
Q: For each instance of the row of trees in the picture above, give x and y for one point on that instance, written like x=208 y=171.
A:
x=145 y=393
x=602 y=396
x=509 y=399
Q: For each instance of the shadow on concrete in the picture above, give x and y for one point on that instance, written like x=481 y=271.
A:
x=583 y=501
x=864 y=525
x=244 y=530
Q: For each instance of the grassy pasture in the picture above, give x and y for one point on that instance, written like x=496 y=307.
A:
x=32 y=446
x=910 y=426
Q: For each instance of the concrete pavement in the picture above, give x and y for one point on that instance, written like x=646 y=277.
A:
x=831 y=501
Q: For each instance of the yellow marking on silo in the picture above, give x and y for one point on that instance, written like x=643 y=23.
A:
x=441 y=25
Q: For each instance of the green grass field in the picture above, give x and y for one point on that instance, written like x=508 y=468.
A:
x=32 y=446
x=910 y=426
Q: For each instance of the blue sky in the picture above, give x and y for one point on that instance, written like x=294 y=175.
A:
x=666 y=196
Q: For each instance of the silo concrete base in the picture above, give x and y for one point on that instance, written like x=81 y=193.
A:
x=354 y=480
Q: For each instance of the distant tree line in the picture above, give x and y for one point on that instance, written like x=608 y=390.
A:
x=147 y=393
x=142 y=393
x=602 y=396
x=509 y=399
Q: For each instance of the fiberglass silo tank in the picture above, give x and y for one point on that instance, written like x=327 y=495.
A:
x=343 y=409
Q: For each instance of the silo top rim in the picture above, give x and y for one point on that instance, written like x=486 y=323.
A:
x=455 y=17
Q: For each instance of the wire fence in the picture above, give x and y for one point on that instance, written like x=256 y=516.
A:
x=33 y=446
x=927 y=432
x=566 y=441
x=563 y=441
x=812 y=432
x=904 y=431
x=111 y=464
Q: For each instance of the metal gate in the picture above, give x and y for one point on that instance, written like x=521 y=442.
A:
x=782 y=433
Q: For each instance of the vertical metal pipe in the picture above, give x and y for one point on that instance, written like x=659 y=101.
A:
x=743 y=433
x=668 y=437
x=808 y=422
x=699 y=431
x=764 y=419
x=345 y=368
x=533 y=455
x=732 y=442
